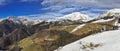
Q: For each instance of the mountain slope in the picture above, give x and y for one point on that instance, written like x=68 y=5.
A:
x=99 y=41
x=47 y=40
x=48 y=36
x=106 y=41
x=7 y=26
x=58 y=36
x=11 y=32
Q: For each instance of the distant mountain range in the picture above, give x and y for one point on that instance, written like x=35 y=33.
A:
x=72 y=17
x=22 y=33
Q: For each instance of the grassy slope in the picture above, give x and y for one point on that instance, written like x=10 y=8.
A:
x=94 y=28
x=66 y=28
x=89 y=27
x=60 y=40
x=40 y=44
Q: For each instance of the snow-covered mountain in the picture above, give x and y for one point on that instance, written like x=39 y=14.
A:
x=71 y=28
x=100 y=41
x=23 y=20
x=27 y=21
x=113 y=12
x=76 y=16
x=13 y=19
x=1 y=20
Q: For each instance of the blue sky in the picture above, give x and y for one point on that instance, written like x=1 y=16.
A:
x=19 y=7
x=54 y=8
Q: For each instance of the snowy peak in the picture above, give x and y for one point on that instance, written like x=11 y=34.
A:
x=113 y=12
x=23 y=20
x=1 y=20
x=76 y=16
x=27 y=21
x=14 y=19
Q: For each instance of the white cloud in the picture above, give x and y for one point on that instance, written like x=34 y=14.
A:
x=53 y=8
x=85 y=3
x=66 y=10
x=90 y=13
x=28 y=0
x=97 y=9
x=63 y=6
x=2 y=2
x=93 y=12
x=49 y=15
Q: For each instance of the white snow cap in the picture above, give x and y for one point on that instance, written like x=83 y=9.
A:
x=14 y=19
x=26 y=20
x=76 y=16
x=113 y=12
x=23 y=20
x=1 y=20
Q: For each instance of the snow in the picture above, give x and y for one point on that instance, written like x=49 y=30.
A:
x=78 y=27
x=109 y=41
x=54 y=19
x=113 y=12
x=76 y=16
x=103 y=20
x=116 y=23
x=1 y=20
x=15 y=20
x=36 y=19
x=24 y=20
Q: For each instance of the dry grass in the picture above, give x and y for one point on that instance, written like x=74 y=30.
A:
x=94 y=28
x=61 y=39
x=66 y=28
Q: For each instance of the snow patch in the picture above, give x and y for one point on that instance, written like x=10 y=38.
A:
x=78 y=27
x=103 y=20
x=109 y=41
x=1 y=20
x=15 y=20
x=27 y=21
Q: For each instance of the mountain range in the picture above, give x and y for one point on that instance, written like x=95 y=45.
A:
x=24 y=34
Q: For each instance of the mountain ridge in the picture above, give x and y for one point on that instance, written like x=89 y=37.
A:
x=15 y=30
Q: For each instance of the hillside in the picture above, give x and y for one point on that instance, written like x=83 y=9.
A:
x=61 y=35
x=105 y=41
x=16 y=34
x=58 y=36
